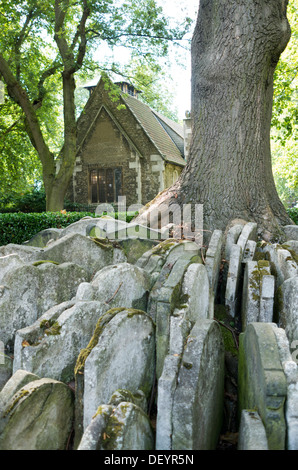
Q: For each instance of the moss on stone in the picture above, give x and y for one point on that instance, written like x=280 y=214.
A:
x=40 y=262
x=50 y=327
x=224 y=321
x=105 y=243
x=102 y=322
x=16 y=400
x=164 y=246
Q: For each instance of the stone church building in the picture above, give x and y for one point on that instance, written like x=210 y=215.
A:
x=124 y=149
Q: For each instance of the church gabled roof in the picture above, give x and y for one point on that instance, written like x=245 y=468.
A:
x=165 y=134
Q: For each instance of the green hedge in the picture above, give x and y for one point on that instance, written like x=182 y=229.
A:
x=293 y=213
x=19 y=227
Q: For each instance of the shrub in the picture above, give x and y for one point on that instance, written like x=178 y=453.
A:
x=20 y=227
x=293 y=213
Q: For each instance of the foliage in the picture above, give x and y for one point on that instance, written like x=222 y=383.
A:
x=43 y=46
x=28 y=201
x=284 y=131
x=19 y=227
x=293 y=213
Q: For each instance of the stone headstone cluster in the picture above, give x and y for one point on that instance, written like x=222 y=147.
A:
x=110 y=340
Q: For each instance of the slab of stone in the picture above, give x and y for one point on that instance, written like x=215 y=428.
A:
x=116 y=363
x=287 y=307
x=267 y=290
x=26 y=253
x=21 y=302
x=232 y=294
x=254 y=273
x=100 y=227
x=128 y=428
x=50 y=347
x=249 y=251
x=134 y=248
x=194 y=292
x=179 y=330
x=138 y=398
x=95 y=432
x=120 y=285
x=9 y=263
x=213 y=263
x=290 y=368
x=282 y=264
x=160 y=252
x=42 y=238
x=249 y=232
x=133 y=230
x=91 y=254
x=164 y=299
x=196 y=426
x=291 y=232
x=262 y=384
x=79 y=227
x=165 y=398
x=251 y=294
x=252 y=434
x=17 y=381
x=38 y=417
x=231 y=239
x=291 y=245
x=6 y=366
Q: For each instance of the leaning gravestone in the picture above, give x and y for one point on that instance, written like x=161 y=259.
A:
x=90 y=254
x=262 y=383
x=128 y=428
x=198 y=399
x=50 y=347
x=21 y=302
x=287 y=308
x=116 y=362
x=38 y=417
x=121 y=285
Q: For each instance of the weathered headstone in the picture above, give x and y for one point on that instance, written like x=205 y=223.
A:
x=198 y=399
x=267 y=290
x=249 y=232
x=252 y=434
x=287 y=308
x=282 y=264
x=291 y=232
x=165 y=397
x=50 y=347
x=212 y=263
x=121 y=285
x=255 y=272
x=42 y=238
x=21 y=302
x=90 y=254
x=117 y=363
x=128 y=428
x=232 y=294
x=262 y=383
x=38 y=417
x=290 y=368
x=231 y=239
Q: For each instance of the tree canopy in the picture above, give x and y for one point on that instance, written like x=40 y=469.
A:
x=45 y=46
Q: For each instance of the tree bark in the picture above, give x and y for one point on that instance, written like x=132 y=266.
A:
x=235 y=49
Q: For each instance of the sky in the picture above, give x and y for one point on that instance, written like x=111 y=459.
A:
x=181 y=74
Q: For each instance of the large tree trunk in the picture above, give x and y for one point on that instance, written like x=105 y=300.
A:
x=235 y=49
